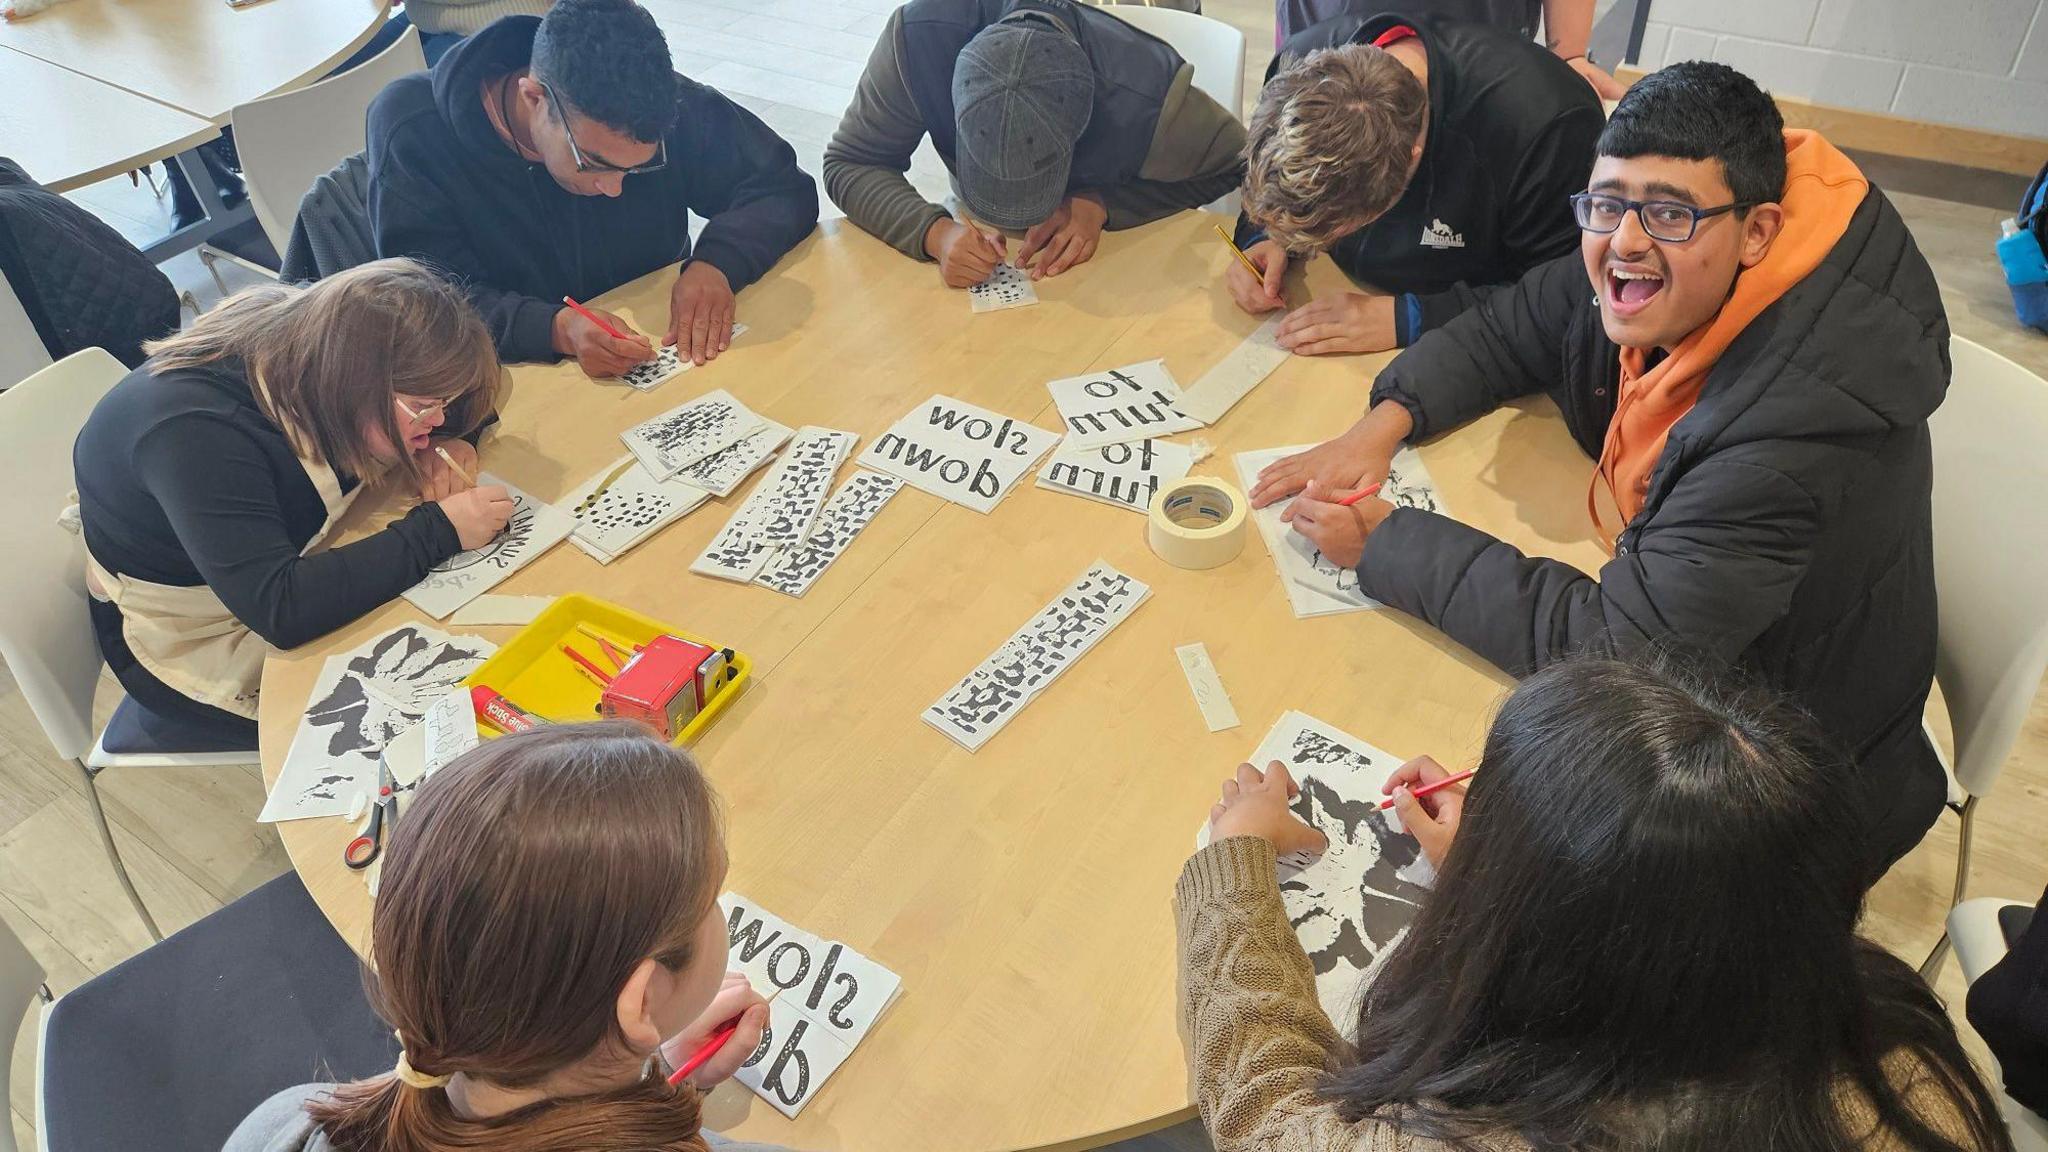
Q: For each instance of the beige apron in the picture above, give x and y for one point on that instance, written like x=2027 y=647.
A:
x=186 y=637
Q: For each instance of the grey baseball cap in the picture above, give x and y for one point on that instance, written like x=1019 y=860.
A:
x=1022 y=93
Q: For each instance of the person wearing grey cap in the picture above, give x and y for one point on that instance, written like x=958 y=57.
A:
x=1056 y=120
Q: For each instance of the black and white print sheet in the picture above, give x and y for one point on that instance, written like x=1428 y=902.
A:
x=721 y=472
x=534 y=528
x=667 y=362
x=1047 y=645
x=959 y=451
x=364 y=699
x=1126 y=475
x=827 y=997
x=793 y=570
x=1119 y=406
x=1007 y=287
x=1352 y=903
x=778 y=514
x=1317 y=585
x=686 y=434
x=623 y=505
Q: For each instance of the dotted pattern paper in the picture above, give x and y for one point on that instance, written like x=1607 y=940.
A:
x=1007 y=287
x=666 y=363
x=686 y=434
x=779 y=513
x=794 y=570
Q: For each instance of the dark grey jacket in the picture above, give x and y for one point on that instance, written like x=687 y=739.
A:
x=1786 y=529
x=82 y=285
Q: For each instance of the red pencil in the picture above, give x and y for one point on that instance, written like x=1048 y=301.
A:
x=1426 y=789
x=1362 y=493
x=587 y=314
x=584 y=662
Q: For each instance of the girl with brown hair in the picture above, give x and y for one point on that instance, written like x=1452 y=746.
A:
x=207 y=475
x=547 y=943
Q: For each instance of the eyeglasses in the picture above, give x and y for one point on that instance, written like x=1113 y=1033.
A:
x=598 y=163
x=420 y=414
x=1666 y=220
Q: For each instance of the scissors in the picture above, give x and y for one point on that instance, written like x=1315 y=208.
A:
x=369 y=843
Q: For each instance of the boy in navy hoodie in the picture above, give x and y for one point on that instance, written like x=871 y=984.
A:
x=562 y=156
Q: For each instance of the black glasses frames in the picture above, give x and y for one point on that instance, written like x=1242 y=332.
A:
x=1668 y=220
x=591 y=164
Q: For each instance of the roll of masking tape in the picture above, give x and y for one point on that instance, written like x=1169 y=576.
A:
x=1197 y=522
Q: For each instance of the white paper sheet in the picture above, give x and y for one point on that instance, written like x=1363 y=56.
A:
x=778 y=514
x=722 y=472
x=1218 y=714
x=667 y=362
x=622 y=506
x=1317 y=586
x=1048 y=644
x=793 y=570
x=1352 y=903
x=959 y=451
x=1120 y=406
x=1125 y=475
x=363 y=700
x=1232 y=378
x=689 y=432
x=827 y=998
x=534 y=528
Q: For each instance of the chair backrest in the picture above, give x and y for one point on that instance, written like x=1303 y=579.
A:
x=20 y=976
x=21 y=350
x=1214 y=48
x=46 y=632
x=1990 y=554
x=289 y=140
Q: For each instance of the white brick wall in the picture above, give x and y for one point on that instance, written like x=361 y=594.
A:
x=1972 y=63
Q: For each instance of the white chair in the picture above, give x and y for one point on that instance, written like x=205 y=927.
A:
x=1215 y=49
x=289 y=140
x=21 y=350
x=46 y=633
x=21 y=984
x=1980 y=943
x=1990 y=551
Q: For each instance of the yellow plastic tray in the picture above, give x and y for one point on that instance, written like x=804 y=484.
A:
x=531 y=671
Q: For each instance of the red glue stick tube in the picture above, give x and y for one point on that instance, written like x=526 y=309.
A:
x=501 y=713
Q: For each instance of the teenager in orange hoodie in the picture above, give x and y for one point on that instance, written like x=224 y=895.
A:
x=1748 y=344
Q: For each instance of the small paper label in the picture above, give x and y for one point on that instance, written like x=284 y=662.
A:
x=1207 y=687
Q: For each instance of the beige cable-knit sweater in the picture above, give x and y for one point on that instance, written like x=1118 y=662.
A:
x=1259 y=1041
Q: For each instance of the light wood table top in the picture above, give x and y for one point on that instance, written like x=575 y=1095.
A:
x=199 y=56
x=69 y=130
x=1022 y=892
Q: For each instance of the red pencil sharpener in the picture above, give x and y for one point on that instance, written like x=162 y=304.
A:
x=659 y=687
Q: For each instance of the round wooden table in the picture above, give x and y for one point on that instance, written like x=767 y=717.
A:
x=1022 y=892
x=68 y=130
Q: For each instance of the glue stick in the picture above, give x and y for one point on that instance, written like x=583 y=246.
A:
x=501 y=713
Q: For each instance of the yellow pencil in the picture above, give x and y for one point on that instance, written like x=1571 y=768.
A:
x=449 y=459
x=1239 y=252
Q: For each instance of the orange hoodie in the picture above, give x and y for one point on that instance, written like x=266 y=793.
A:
x=1823 y=189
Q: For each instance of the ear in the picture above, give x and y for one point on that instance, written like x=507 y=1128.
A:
x=636 y=1007
x=533 y=95
x=1759 y=229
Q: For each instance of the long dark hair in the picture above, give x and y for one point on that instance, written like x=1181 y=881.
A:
x=1644 y=937
x=527 y=880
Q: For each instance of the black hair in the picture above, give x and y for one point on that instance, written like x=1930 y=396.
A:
x=1644 y=937
x=607 y=60
x=1700 y=110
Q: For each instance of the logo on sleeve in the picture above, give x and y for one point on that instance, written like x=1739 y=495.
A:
x=1439 y=235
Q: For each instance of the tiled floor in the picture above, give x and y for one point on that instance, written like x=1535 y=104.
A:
x=190 y=837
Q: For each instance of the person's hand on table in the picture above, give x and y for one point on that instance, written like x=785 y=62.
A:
x=1337 y=531
x=700 y=311
x=966 y=254
x=1432 y=819
x=478 y=514
x=597 y=352
x=1359 y=457
x=736 y=997
x=1259 y=294
x=1346 y=322
x=1255 y=804
x=438 y=480
x=1065 y=238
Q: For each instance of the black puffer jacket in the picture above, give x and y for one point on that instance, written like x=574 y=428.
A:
x=1786 y=529
x=81 y=283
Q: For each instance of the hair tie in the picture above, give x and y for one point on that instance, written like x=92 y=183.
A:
x=412 y=1077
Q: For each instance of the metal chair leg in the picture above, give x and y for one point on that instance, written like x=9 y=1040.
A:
x=99 y=816
x=207 y=256
x=1932 y=965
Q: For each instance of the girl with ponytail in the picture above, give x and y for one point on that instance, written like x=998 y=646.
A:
x=547 y=943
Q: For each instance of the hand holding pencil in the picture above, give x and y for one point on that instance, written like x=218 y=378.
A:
x=603 y=344
x=723 y=1036
x=1430 y=802
x=1257 y=278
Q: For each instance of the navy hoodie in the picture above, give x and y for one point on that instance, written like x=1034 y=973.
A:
x=445 y=187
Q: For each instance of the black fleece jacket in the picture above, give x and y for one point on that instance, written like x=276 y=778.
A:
x=446 y=188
